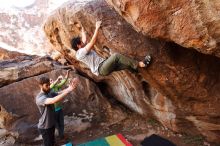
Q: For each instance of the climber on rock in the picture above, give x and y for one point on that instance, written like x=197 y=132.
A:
x=98 y=65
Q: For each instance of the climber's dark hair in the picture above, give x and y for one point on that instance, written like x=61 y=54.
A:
x=74 y=42
x=44 y=80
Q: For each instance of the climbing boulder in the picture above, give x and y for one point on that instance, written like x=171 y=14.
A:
x=191 y=24
x=5 y=54
x=23 y=67
x=179 y=88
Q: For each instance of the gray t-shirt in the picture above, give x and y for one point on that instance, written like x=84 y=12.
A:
x=47 y=119
x=91 y=59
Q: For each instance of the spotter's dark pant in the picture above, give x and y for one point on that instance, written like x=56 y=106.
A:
x=59 y=117
x=48 y=136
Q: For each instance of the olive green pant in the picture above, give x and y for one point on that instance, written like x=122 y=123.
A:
x=117 y=62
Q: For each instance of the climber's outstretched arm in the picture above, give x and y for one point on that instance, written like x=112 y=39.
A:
x=90 y=45
x=83 y=33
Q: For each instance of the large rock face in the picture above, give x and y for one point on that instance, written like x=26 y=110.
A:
x=23 y=67
x=5 y=54
x=192 y=24
x=180 y=88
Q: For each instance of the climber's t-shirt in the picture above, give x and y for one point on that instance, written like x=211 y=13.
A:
x=47 y=119
x=91 y=59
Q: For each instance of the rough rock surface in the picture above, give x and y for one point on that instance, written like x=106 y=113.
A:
x=24 y=66
x=192 y=24
x=180 y=88
x=5 y=54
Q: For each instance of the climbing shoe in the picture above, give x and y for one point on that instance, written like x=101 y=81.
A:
x=106 y=48
x=147 y=60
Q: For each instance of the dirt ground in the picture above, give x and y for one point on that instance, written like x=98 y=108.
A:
x=134 y=128
x=81 y=129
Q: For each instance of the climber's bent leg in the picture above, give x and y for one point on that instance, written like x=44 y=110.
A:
x=117 y=62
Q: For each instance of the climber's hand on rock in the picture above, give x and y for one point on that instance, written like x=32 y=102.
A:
x=98 y=24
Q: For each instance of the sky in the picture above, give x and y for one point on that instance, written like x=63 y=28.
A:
x=25 y=3
x=16 y=3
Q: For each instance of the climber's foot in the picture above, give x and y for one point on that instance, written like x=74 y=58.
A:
x=145 y=62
